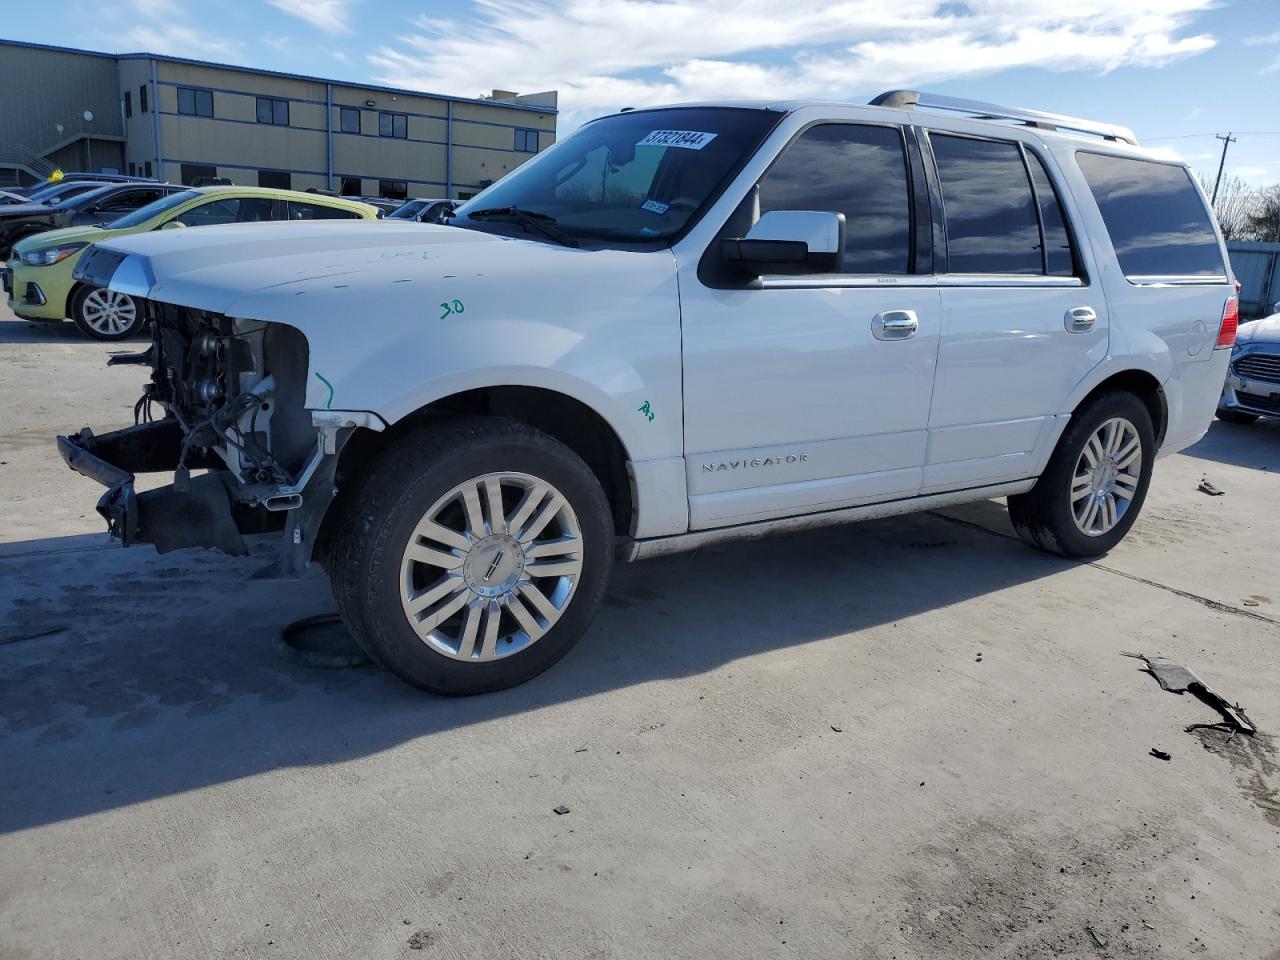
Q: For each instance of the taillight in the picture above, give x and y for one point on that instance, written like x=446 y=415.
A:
x=1230 y=320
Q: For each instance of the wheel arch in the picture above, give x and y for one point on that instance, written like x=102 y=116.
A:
x=78 y=287
x=1142 y=384
x=568 y=419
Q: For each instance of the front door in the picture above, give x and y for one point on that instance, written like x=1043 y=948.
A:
x=811 y=393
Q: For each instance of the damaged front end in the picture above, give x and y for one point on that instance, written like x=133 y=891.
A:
x=232 y=392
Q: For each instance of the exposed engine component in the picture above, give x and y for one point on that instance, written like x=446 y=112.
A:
x=236 y=387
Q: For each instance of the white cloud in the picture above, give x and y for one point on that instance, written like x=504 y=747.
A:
x=177 y=40
x=160 y=29
x=327 y=15
x=1267 y=40
x=1273 y=67
x=602 y=54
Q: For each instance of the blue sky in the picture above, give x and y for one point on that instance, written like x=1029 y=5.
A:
x=1176 y=71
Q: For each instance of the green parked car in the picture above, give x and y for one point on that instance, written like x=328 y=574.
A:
x=38 y=279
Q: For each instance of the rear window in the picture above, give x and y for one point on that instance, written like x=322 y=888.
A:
x=1158 y=222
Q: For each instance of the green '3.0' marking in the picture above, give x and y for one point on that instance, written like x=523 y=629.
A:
x=328 y=403
x=451 y=306
x=647 y=410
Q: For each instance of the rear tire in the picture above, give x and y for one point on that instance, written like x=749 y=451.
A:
x=1237 y=416
x=102 y=314
x=1094 y=485
x=472 y=555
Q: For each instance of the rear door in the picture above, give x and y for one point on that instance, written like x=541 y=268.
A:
x=1022 y=324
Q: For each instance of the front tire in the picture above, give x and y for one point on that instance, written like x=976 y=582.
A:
x=1236 y=416
x=102 y=314
x=472 y=555
x=1095 y=483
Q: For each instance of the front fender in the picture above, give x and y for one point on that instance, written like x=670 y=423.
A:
x=602 y=327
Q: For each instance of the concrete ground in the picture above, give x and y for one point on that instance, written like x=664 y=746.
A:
x=912 y=738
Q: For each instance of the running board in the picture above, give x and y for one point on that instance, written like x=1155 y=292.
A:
x=684 y=542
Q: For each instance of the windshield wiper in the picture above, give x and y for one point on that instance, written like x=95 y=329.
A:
x=543 y=223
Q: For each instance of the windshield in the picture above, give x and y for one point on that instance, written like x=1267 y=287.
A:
x=143 y=214
x=407 y=211
x=634 y=177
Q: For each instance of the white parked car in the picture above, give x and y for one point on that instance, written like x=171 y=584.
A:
x=678 y=326
x=1252 y=388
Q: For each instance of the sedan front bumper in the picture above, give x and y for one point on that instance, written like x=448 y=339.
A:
x=1253 y=383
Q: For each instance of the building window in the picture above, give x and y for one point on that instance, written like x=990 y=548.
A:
x=351 y=187
x=192 y=172
x=195 y=103
x=279 y=179
x=393 y=189
x=274 y=111
x=349 y=120
x=146 y=168
x=128 y=104
x=526 y=141
x=133 y=168
x=393 y=125
x=142 y=98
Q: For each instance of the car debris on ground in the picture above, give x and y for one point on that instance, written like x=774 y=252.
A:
x=1176 y=678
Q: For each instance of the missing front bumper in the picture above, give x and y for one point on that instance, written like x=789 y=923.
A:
x=200 y=515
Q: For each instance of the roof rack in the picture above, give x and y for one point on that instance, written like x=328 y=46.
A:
x=908 y=99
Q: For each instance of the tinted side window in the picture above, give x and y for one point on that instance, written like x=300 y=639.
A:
x=215 y=211
x=316 y=211
x=1058 y=259
x=1158 y=224
x=992 y=225
x=857 y=170
x=129 y=200
x=229 y=210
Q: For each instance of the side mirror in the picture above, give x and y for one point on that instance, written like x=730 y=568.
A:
x=788 y=242
x=170 y=224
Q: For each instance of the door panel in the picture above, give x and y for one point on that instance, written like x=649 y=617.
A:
x=1006 y=364
x=797 y=373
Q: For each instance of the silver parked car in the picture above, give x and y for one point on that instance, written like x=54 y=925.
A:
x=1252 y=389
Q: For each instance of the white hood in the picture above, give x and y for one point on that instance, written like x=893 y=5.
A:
x=214 y=268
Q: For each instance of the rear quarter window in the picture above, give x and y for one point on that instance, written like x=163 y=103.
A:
x=1159 y=225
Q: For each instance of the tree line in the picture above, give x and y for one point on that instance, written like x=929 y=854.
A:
x=1245 y=212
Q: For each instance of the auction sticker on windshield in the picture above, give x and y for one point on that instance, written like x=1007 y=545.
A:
x=685 y=139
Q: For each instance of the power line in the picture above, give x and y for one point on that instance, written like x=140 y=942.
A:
x=1206 y=136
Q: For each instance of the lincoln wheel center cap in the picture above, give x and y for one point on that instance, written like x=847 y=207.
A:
x=493 y=565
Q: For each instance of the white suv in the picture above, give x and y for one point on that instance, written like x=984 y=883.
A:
x=678 y=326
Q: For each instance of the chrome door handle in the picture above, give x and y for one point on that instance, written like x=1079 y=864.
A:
x=1080 y=319
x=894 y=325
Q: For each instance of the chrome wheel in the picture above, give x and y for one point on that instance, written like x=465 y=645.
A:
x=491 y=566
x=108 y=313
x=1106 y=476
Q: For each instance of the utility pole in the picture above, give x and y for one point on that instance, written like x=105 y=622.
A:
x=1226 y=142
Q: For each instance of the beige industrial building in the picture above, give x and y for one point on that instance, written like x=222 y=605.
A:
x=178 y=120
